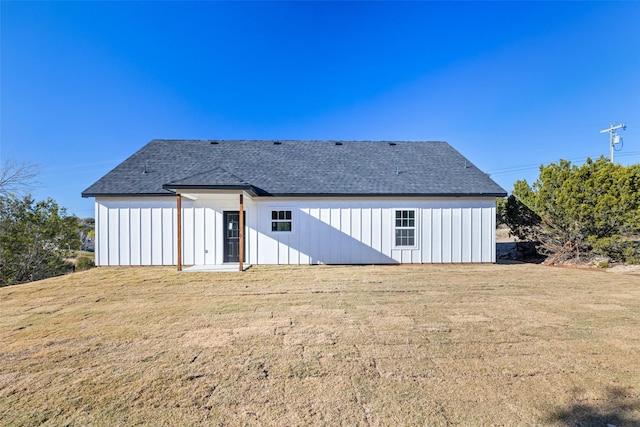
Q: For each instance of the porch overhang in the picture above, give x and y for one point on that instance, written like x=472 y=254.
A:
x=197 y=191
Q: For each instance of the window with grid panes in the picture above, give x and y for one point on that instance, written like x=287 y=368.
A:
x=405 y=228
x=280 y=220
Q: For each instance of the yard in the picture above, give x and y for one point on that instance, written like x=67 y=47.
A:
x=502 y=344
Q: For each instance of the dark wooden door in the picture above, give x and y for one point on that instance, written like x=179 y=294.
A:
x=231 y=236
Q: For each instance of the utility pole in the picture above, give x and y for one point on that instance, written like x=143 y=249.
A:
x=613 y=137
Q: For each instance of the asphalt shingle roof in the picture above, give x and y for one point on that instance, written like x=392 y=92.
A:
x=297 y=168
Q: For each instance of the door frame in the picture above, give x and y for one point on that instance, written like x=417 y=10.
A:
x=225 y=238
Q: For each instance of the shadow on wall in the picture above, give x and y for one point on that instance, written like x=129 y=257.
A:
x=617 y=409
x=326 y=244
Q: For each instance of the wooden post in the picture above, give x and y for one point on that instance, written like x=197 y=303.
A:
x=179 y=228
x=241 y=233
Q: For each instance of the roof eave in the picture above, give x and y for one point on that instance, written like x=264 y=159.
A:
x=407 y=195
x=254 y=192
x=250 y=189
x=90 y=194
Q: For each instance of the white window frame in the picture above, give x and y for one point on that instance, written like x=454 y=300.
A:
x=290 y=220
x=415 y=228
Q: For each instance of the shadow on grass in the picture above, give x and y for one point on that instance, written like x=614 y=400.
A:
x=616 y=410
x=518 y=253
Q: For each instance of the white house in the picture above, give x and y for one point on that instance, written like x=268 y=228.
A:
x=177 y=202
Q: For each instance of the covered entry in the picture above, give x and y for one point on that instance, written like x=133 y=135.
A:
x=226 y=235
x=232 y=237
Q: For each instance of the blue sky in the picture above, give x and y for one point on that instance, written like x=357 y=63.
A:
x=510 y=85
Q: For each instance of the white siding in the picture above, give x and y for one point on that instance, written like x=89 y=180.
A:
x=145 y=235
x=200 y=231
x=125 y=241
x=466 y=235
x=476 y=224
x=188 y=236
x=436 y=235
x=135 y=234
x=456 y=235
x=427 y=236
x=113 y=248
x=156 y=236
x=330 y=232
x=143 y=231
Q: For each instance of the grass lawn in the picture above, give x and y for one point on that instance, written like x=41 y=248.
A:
x=324 y=345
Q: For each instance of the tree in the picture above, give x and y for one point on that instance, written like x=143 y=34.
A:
x=34 y=238
x=573 y=210
x=522 y=221
x=17 y=176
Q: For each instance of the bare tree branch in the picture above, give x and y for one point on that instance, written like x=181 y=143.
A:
x=17 y=177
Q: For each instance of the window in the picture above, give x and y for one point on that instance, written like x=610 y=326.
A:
x=405 y=228
x=280 y=220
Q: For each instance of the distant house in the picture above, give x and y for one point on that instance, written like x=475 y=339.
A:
x=177 y=202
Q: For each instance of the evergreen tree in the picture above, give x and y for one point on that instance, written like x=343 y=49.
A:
x=572 y=210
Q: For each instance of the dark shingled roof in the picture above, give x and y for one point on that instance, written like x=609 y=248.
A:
x=297 y=168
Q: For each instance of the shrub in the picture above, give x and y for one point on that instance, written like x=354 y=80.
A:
x=84 y=263
x=35 y=239
x=575 y=210
x=617 y=248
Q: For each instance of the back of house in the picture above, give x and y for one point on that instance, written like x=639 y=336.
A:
x=178 y=202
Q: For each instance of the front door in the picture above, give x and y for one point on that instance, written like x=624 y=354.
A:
x=232 y=236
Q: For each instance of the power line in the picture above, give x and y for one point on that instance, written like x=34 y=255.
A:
x=86 y=164
x=530 y=166
x=519 y=168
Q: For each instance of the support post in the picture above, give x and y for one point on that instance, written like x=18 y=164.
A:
x=179 y=228
x=240 y=266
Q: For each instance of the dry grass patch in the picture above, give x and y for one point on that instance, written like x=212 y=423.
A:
x=375 y=345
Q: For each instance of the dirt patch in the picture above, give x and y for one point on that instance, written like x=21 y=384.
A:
x=624 y=269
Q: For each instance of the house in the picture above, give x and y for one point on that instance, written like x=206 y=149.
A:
x=177 y=202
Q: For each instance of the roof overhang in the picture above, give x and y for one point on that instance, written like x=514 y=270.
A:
x=182 y=188
x=384 y=195
x=167 y=194
x=254 y=192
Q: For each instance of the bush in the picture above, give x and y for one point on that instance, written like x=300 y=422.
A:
x=84 y=263
x=579 y=210
x=617 y=248
x=632 y=253
x=35 y=239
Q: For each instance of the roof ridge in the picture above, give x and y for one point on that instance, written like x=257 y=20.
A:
x=233 y=175
x=210 y=170
x=381 y=141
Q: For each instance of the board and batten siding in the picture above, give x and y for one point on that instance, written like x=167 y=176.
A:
x=142 y=231
x=362 y=232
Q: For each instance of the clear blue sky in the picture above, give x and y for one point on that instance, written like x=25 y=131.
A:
x=510 y=85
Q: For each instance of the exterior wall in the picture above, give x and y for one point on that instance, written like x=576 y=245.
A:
x=136 y=231
x=361 y=231
x=142 y=231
